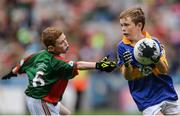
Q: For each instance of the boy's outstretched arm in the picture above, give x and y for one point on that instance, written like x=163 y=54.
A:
x=8 y=76
x=103 y=65
x=15 y=70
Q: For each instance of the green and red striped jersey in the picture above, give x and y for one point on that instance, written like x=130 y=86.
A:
x=48 y=75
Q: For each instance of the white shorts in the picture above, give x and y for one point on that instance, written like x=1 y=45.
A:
x=39 y=107
x=166 y=107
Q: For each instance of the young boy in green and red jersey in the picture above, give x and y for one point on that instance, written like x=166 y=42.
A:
x=49 y=73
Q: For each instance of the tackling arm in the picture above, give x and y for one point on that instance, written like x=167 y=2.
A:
x=82 y=65
x=103 y=65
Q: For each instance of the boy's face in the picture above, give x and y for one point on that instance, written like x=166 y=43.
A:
x=129 y=29
x=61 y=45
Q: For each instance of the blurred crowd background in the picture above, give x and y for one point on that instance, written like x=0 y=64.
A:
x=93 y=31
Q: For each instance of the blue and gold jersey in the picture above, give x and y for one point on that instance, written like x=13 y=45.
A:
x=153 y=87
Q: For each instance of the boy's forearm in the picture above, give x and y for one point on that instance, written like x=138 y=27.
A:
x=83 y=65
x=131 y=73
x=128 y=72
x=162 y=67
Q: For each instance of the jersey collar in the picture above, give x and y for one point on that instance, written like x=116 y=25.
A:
x=128 y=42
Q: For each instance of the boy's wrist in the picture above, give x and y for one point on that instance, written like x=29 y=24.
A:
x=128 y=65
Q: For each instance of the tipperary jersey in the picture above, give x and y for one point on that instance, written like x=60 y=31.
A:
x=48 y=75
x=153 y=87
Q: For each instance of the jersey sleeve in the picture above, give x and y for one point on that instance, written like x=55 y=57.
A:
x=19 y=68
x=120 y=55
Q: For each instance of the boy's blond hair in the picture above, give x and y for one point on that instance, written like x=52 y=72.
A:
x=50 y=35
x=136 y=14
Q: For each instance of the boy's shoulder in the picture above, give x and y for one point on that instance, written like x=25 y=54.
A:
x=42 y=55
x=120 y=43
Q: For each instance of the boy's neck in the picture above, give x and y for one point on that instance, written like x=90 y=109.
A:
x=137 y=38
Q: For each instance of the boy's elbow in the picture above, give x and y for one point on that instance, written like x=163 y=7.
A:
x=164 y=70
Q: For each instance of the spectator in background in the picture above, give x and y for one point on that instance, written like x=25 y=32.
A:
x=80 y=84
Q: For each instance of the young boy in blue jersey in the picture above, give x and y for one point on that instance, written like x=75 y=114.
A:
x=150 y=86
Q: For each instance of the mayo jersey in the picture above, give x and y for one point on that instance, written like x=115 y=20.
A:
x=48 y=75
x=154 y=87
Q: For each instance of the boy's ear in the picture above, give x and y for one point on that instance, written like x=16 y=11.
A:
x=50 y=48
x=139 y=25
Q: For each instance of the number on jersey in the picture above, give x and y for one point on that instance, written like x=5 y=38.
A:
x=38 y=79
